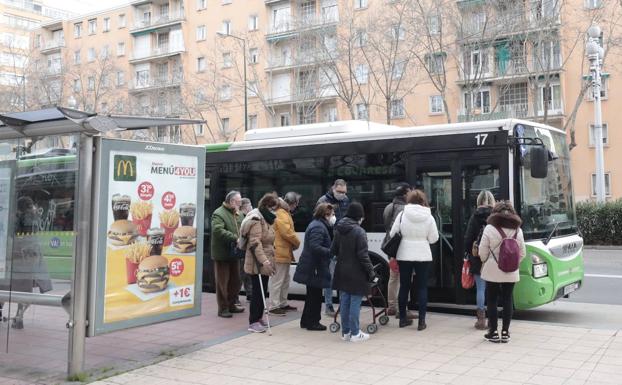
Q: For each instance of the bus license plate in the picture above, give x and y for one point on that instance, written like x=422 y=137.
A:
x=570 y=288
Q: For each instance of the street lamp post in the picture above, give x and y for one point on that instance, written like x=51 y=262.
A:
x=595 y=55
x=245 y=83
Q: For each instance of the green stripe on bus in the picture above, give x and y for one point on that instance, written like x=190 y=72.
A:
x=50 y=160
x=217 y=147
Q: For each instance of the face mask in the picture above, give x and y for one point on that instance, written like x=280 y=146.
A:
x=340 y=196
x=332 y=220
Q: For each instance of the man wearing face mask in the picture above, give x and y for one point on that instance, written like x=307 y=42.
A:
x=337 y=197
x=285 y=242
x=226 y=222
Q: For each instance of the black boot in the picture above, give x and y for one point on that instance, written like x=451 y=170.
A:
x=405 y=322
x=421 y=325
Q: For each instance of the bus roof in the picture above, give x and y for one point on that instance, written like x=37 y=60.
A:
x=357 y=130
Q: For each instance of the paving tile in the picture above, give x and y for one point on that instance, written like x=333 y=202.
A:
x=539 y=379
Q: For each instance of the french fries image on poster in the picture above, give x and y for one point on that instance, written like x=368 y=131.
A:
x=169 y=220
x=142 y=212
x=134 y=255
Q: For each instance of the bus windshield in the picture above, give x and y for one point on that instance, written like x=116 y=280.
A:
x=546 y=204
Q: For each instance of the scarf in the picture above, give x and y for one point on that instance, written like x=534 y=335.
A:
x=267 y=215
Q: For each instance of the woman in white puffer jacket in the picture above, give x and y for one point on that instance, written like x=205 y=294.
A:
x=418 y=230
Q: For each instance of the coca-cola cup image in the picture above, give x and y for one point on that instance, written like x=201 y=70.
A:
x=187 y=212
x=121 y=206
x=155 y=238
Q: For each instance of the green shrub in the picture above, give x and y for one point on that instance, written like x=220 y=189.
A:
x=600 y=224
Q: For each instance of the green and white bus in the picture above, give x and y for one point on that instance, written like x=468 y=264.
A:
x=525 y=162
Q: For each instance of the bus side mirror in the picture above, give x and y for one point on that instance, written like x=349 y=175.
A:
x=539 y=158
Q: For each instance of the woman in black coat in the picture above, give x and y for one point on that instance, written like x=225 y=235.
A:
x=313 y=266
x=353 y=271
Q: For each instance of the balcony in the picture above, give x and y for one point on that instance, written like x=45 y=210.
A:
x=286 y=62
x=153 y=84
x=290 y=27
x=160 y=21
x=479 y=26
x=156 y=53
x=514 y=68
x=308 y=96
x=52 y=46
x=512 y=111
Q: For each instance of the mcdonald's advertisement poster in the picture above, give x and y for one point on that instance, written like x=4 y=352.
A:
x=151 y=234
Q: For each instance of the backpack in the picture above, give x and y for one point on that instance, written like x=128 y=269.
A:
x=509 y=252
x=475 y=246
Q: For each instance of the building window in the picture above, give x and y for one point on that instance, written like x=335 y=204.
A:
x=398 y=32
x=91 y=83
x=77 y=85
x=105 y=52
x=476 y=63
x=225 y=92
x=106 y=24
x=549 y=97
x=201 y=4
x=253 y=23
x=330 y=11
x=120 y=49
x=90 y=57
x=361 y=73
x=200 y=64
x=226 y=27
x=77 y=30
x=605 y=135
x=604 y=88
x=224 y=124
x=434 y=24
x=435 y=63
x=253 y=56
x=330 y=114
x=92 y=26
x=225 y=2
x=477 y=102
x=76 y=57
x=547 y=55
x=253 y=91
x=436 y=104
x=199 y=129
x=252 y=122
x=397 y=108
x=607 y=184
x=593 y=4
x=227 y=61
x=360 y=4
x=398 y=69
x=360 y=38
x=120 y=78
x=361 y=111
x=37 y=42
x=201 y=34
x=122 y=20
x=284 y=119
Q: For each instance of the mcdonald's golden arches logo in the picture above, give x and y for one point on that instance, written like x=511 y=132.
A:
x=124 y=168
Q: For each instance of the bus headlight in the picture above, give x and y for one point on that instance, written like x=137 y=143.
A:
x=540 y=270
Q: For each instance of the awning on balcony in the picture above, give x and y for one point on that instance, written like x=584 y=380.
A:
x=60 y=120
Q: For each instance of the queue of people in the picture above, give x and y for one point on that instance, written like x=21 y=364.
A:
x=335 y=257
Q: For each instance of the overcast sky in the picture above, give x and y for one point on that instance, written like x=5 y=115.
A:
x=85 y=6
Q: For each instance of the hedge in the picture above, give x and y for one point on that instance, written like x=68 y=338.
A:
x=600 y=224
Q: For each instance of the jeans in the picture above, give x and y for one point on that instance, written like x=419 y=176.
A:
x=257 y=302
x=421 y=272
x=328 y=291
x=493 y=291
x=312 y=312
x=350 y=309
x=480 y=298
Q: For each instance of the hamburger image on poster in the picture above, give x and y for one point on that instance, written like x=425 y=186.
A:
x=175 y=174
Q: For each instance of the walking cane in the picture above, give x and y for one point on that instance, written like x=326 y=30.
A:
x=263 y=294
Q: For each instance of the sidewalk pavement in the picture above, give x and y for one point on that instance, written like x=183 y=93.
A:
x=450 y=350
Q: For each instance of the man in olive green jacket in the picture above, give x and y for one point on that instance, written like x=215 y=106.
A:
x=226 y=221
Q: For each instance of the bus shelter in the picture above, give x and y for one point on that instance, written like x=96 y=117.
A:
x=77 y=221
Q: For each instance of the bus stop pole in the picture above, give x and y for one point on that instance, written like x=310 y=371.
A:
x=77 y=323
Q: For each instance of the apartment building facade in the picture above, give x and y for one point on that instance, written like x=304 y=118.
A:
x=324 y=60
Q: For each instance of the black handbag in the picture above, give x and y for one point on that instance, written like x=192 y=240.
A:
x=235 y=251
x=393 y=244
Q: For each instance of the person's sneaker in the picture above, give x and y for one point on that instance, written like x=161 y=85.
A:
x=405 y=322
x=225 y=314
x=278 y=311
x=330 y=311
x=289 y=308
x=359 y=337
x=317 y=327
x=236 y=309
x=256 y=327
x=263 y=322
x=492 y=336
x=505 y=336
x=346 y=337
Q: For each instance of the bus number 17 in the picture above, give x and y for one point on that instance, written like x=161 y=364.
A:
x=481 y=139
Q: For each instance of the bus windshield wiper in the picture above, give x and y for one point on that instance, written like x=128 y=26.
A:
x=548 y=239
